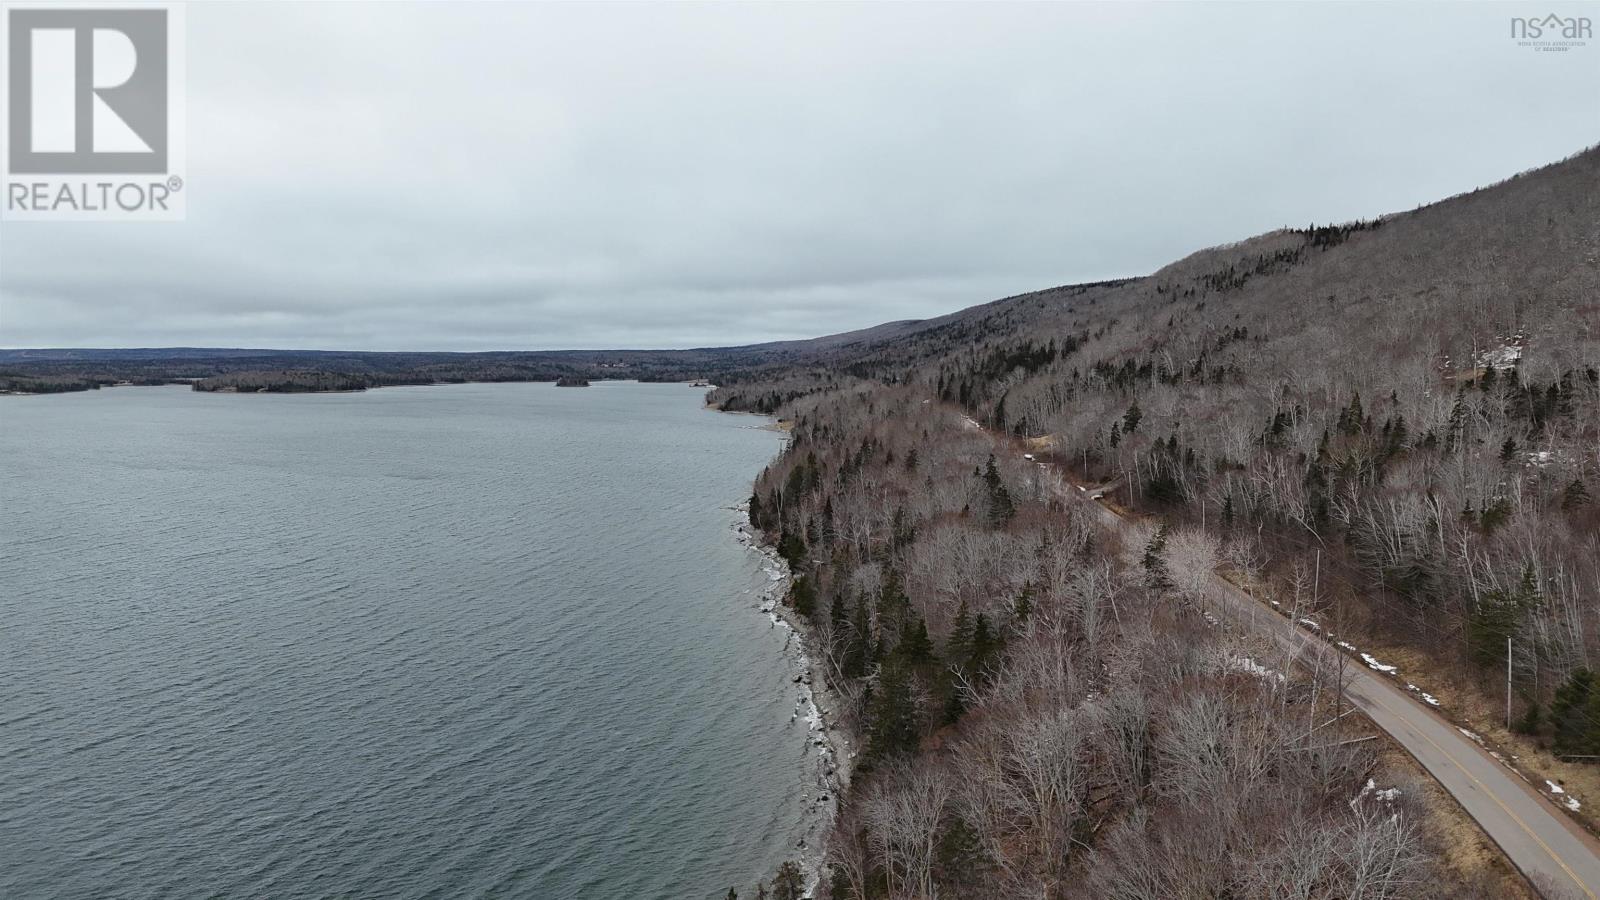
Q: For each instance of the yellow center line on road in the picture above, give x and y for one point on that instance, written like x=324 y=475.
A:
x=1491 y=795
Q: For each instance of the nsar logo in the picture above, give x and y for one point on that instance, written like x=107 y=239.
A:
x=1552 y=33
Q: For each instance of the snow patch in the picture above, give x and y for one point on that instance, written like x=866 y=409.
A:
x=1384 y=795
x=1376 y=666
x=1502 y=357
x=1310 y=624
x=1426 y=697
x=1561 y=796
x=1250 y=667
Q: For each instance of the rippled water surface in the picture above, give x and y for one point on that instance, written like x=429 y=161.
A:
x=452 y=641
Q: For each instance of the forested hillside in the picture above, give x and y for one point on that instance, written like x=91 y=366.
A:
x=1393 y=424
x=295 y=371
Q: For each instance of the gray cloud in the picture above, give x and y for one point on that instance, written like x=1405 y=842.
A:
x=461 y=176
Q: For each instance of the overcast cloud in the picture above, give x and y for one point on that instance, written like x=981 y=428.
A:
x=464 y=177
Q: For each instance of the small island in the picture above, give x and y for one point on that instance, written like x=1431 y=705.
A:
x=571 y=381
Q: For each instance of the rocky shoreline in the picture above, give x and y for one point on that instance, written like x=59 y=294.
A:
x=830 y=749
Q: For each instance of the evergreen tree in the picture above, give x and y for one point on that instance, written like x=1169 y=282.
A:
x=915 y=646
x=901 y=529
x=858 y=652
x=1569 y=714
x=1521 y=405
x=983 y=646
x=839 y=884
x=893 y=605
x=1278 y=428
x=789 y=883
x=1530 y=721
x=799 y=480
x=1398 y=436
x=958 y=647
x=1565 y=399
x=1351 y=418
x=893 y=725
x=955 y=705
x=792 y=547
x=960 y=856
x=1000 y=507
x=1155 y=567
x=1494 y=514
x=1023 y=607
x=1130 y=419
x=1498 y=617
x=838 y=615
x=803 y=596
x=1458 y=418
x=1591 y=718
x=1575 y=495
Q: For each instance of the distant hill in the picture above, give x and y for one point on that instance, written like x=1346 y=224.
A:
x=226 y=368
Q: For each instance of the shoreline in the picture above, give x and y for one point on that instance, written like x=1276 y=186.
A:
x=781 y=426
x=189 y=383
x=833 y=757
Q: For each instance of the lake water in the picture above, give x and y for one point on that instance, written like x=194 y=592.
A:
x=475 y=640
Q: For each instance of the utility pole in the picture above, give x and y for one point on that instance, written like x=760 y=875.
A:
x=1316 y=579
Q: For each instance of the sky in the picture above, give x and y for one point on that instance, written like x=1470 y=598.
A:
x=520 y=176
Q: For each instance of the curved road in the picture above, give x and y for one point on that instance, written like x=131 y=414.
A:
x=1551 y=850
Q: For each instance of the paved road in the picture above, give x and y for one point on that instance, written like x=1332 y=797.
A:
x=1553 y=852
